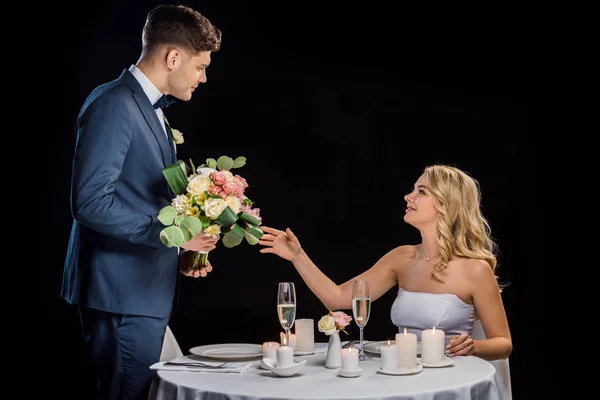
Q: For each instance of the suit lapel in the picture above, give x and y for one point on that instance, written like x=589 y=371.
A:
x=150 y=116
x=154 y=123
x=171 y=142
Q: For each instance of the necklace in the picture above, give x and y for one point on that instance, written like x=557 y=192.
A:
x=429 y=258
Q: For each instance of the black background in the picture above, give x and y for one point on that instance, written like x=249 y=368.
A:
x=338 y=109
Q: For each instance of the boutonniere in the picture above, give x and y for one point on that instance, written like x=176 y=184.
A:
x=177 y=135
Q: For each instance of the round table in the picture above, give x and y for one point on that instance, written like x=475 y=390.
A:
x=469 y=378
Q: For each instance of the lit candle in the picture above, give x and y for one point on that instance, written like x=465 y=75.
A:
x=349 y=359
x=407 y=349
x=432 y=346
x=389 y=356
x=269 y=350
x=284 y=355
x=305 y=334
x=292 y=339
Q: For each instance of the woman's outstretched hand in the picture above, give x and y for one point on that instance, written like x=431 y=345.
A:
x=284 y=244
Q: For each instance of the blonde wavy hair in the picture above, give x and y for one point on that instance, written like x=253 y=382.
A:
x=462 y=231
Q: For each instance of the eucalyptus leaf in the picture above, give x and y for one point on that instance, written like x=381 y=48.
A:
x=172 y=236
x=167 y=215
x=234 y=237
x=254 y=231
x=212 y=163
x=239 y=162
x=190 y=226
x=225 y=163
x=251 y=239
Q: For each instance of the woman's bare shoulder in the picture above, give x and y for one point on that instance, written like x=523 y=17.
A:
x=406 y=252
x=475 y=268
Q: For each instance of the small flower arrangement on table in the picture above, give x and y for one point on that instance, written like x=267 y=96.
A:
x=212 y=200
x=333 y=322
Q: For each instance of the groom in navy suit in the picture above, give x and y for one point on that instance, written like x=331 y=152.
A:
x=117 y=271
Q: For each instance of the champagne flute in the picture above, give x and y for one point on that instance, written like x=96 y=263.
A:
x=361 y=308
x=286 y=307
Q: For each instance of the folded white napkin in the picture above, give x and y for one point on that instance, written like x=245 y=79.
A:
x=236 y=367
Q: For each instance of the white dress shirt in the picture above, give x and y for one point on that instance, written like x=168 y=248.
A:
x=151 y=91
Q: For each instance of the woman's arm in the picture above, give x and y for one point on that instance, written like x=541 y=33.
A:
x=488 y=303
x=381 y=276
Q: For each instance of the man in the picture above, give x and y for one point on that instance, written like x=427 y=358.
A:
x=117 y=271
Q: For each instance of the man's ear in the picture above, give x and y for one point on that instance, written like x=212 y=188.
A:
x=174 y=58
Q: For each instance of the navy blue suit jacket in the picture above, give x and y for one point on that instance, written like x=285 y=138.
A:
x=115 y=260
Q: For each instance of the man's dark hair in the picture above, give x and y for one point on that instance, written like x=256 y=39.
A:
x=179 y=26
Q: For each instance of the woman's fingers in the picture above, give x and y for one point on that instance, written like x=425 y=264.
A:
x=291 y=235
x=273 y=231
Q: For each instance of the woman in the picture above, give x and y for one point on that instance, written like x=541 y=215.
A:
x=446 y=281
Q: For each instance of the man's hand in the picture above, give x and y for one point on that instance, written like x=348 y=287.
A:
x=201 y=242
x=186 y=259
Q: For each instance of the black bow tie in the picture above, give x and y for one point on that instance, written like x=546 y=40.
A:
x=164 y=101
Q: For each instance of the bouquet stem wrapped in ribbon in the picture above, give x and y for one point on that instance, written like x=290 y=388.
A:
x=212 y=200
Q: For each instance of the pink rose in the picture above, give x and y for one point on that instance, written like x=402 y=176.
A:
x=341 y=318
x=241 y=181
x=219 y=178
x=240 y=193
x=214 y=190
x=231 y=188
x=223 y=195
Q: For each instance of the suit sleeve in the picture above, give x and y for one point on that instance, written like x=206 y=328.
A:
x=103 y=138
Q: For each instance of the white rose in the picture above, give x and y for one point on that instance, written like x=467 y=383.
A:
x=181 y=203
x=327 y=325
x=234 y=203
x=199 y=184
x=214 y=207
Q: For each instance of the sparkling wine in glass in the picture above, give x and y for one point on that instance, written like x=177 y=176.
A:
x=286 y=307
x=361 y=308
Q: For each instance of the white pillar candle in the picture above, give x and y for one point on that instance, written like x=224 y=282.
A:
x=349 y=359
x=284 y=356
x=305 y=334
x=269 y=350
x=407 y=349
x=432 y=346
x=389 y=356
x=292 y=340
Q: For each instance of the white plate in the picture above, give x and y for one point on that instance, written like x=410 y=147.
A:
x=349 y=373
x=402 y=371
x=304 y=353
x=287 y=371
x=228 y=351
x=445 y=363
x=373 y=347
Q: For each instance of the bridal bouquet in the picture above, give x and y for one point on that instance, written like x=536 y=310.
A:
x=212 y=200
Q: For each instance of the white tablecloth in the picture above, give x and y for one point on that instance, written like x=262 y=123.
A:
x=469 y=378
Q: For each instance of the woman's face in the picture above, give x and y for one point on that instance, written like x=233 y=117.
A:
x=420 y=205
